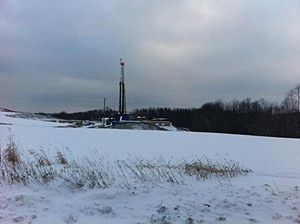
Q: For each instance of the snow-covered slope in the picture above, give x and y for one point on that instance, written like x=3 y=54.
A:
x=270 y=194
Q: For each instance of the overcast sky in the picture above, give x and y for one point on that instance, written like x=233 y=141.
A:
x=64 y=55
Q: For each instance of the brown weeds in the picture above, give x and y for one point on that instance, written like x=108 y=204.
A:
x=101 y=172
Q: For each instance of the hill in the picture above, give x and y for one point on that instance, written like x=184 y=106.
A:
x=268 y=194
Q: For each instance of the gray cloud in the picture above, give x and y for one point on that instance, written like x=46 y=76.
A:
x=64 y=55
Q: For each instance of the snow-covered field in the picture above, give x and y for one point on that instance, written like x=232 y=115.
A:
x=270 y=194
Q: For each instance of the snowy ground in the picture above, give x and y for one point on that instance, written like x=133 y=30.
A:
x=270 y=194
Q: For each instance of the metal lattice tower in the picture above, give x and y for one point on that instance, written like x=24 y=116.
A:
x=122 y=98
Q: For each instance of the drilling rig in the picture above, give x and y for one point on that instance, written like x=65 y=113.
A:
x=122 y=97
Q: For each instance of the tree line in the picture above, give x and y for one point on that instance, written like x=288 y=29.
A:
x=258 y=117
x=91 y=115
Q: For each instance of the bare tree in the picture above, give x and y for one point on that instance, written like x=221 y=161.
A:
x=297 y=93
x=291 y=102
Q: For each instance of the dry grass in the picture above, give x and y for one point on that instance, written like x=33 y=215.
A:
x=205 y=167
x=101 y=172
x=11 y=153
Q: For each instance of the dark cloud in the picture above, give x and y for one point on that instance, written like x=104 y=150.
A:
x=64 y=55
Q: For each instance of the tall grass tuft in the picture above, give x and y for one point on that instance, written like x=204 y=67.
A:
x=11 y=153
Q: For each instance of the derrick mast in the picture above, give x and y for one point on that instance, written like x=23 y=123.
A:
x=122 y=98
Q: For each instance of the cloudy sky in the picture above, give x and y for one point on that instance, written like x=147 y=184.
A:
x=64 y=55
